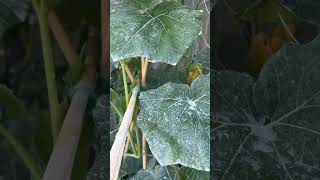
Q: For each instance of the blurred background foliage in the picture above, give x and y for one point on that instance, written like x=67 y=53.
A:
x=23 y=90
x=255 y=29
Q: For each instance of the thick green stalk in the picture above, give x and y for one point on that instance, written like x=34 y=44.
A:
x=22 y=153
x=42 y=11
x=125 y=83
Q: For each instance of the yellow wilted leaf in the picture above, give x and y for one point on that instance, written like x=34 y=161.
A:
x=260 y=51
x=281 y=35
x=263 y=46
x=192 y=75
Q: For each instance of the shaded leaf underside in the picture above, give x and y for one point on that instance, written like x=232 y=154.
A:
x=270 y=128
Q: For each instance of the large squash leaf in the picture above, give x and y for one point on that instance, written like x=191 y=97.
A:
x=161 y=33
x=154 y=172
x=175 y=121
x=193 y=174
x=269 y=129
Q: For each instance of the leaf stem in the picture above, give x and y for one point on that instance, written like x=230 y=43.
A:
x=42 y=11
x=135 y=146
x=131 y=142
x=22 y=153
x=125 y=83
x=116 y=109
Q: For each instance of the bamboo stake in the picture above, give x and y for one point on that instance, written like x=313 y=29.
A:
x=105 y=37
x=129 y=73
x=118 y=146
x=144 y=68
x=144 y=73
x=61 y=160
x=62 y=38
x=144 y=153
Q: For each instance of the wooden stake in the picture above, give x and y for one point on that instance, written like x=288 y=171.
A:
x=62 y=38
x=129 y=73
x=144 y=153
x=61 y=160
x=144 y=73
x=105 y=38
x=118 y=146
x=144 y=68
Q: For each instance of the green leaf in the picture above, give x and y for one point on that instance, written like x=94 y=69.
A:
x=162 y=33
x=130 y=166
x=269 y=129
x=156 y=76
x=14 y=107
x=307 y=9
x=8 y=16
x=175 y=121
x=141 y=4
x=193 y=174
x=154 y=172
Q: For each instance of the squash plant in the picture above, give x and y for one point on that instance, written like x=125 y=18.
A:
x=268 y=127
x=170 y=119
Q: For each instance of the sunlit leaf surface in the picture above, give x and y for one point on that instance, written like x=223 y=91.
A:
x=175 y=120
x=162 y=32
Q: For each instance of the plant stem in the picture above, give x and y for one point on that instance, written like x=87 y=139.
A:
x=135 y=147
x=62 y=158
x=49 y=66
x=125 y=83
x=131 y=143
x=22 y=153
x=117 y=110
